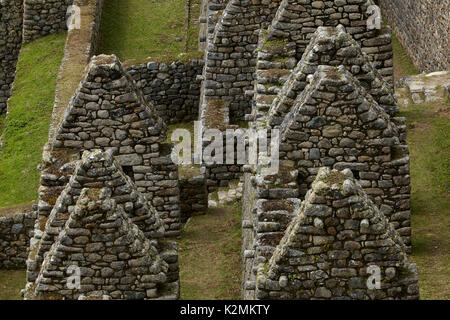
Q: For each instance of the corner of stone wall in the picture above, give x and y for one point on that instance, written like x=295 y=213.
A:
x=15 y=234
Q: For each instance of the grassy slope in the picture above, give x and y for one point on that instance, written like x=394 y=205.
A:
x=428 y=139
x=30 y=109
x=137 y=29
x=209 y=253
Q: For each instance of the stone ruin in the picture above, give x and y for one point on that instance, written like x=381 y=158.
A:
x=335 y=235
x=108 y=112
x=105 y=227
x=334 y=123
x=340 y=203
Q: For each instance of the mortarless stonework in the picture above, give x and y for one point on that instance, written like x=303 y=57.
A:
x=15 y=235
x=231 y=56
x=240 y=79
x=297 y=20
x=336 y=123
x=109 y=112
x=328 y=46
x=335 y=236
x=193 y=195
x=44 y=17
x=11 y=12
x=423 y=27
x=327 y=89
x=102 y=224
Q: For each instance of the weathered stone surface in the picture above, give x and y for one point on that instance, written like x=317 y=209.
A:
x=132 y=131
x=174 y=92
x=110 y=234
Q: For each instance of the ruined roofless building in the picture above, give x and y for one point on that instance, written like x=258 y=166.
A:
x=313 y=70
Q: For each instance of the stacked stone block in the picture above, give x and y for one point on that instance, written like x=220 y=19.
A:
x=269 y=203
x=332 y=46
x=296 y=21
x=336 y=236
x=193 y=195
x=174 y=89
x=336 y=123
x=114 y=256
x=275 y=61
x=98 y=170
x=231 y=55
x=109 y=112
x=423 y=27
x=230 y=60
x=11 y=23
x=95 y=173
x=44 y=17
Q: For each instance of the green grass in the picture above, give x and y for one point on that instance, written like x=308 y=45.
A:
x=27 y=124
x=209 y=253
x=137 y=29
x=11 y=282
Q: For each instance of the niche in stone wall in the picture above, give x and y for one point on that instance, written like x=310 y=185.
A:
x=128 y=170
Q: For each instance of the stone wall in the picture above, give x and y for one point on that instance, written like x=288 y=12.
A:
x=174 y=89
x=337 y=235
x=230 y=52
x=296 y=22
x=129 y=219
x=11 y=21
x=336 y=117
x=423 y=27
x=15 y=235
x=80 y=46
x=193 y=195
x=43 y=17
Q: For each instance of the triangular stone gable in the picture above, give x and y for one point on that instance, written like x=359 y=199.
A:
x=334 y=47
x=335 y=123
x=109 y=111
x=96 y=170
x=293 y=24
x=336 y=235
x=113 y=255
